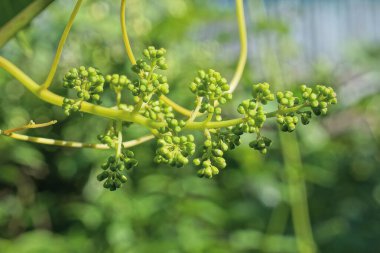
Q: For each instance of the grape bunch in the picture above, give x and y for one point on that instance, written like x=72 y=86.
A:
x=88 y=84
x=212 y=91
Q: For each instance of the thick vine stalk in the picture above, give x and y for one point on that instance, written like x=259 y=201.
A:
x=111 y=113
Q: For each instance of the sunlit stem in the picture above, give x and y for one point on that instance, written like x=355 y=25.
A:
x=53 y=68
x=127 y=44
x=182 y=110
x=243 y=45
x=122 y=115
x=119 y=138
x=241 y=63
x=119 y=127
x=132 y=59
x=74 y=144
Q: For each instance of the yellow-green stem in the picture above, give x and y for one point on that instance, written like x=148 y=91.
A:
x=75 y=144
x=132 y=59
x=243 y=45
x=53 y=68
x=119 y=127
x=117 y=114
x=127 y=44
x=55 y=99
x=239 y=69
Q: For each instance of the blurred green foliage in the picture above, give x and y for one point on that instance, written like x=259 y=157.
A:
x=10 y=9
x=50 y=200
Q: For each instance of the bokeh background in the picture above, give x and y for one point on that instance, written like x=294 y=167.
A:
x=50 y=200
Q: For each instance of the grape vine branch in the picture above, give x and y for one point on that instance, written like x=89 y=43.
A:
x=152 y=108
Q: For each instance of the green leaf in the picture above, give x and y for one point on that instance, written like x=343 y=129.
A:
x=17 y=14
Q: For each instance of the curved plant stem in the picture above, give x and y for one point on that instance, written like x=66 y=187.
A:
x=127 y=44
x=61 y=43
x=50 y=97
x=75 y=144
x=243 y=45
x=22 y=19
x=239 y=70
x=182 y=110
x=55 y=99
x=117 y=114
x=132 y=59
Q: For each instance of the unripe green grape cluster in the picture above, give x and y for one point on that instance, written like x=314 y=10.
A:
x=156 y=56
x=113 y=168
x=253 y=110
x=117 y=82
x=212 y=160
x=318 y=100
x=109 y=137
x=71 y=105
x=157 y=110
x=175 y=150
x=261 y=93
x=287 y=99
x=261 y=144
x=88 y=84
x=211 y=90
x=149 y=82
x=228 y=137
x=287 y=122
x=254 y=115
x=172 y=125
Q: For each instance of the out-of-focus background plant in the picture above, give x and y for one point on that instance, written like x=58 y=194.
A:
x=50 y=200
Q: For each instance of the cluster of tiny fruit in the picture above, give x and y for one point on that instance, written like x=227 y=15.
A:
x=211 y=91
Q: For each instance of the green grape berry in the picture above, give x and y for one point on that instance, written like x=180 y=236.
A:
x=214 y=148
x=261 y=144
x=70 y=105
x=261 y=92
x=288 y=122
x=254 y=115
x=175 y=150
x=212 y=87
x=87 y=82
x=113 y=168
x=319 y=98
x=117 y=82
